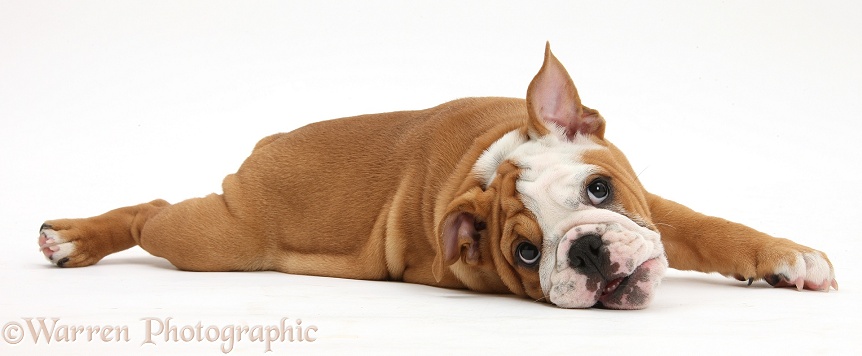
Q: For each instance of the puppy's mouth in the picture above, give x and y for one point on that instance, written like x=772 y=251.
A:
x=605 y=265
x=612 y=287
x=633 y=291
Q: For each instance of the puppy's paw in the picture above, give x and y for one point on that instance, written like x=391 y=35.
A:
x=787 y=264
x=61 y=244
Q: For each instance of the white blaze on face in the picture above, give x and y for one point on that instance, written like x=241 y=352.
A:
x=552 y=186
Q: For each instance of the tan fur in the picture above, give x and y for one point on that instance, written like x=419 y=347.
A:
x=631 y=194
x=111 y=232
x=388 y=179
x=392 y=197
x=694 y=241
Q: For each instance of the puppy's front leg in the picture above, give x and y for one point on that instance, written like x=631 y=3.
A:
x=694 y=241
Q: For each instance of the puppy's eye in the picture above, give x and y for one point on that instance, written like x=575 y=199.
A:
x=528 y=253
x=598 y=191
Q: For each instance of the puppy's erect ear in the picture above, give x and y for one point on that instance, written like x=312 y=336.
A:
x=459 y=231
x=552 y=100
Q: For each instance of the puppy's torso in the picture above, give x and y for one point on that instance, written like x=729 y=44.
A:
x=366 y=188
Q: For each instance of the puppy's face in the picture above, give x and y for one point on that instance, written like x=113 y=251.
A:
x=559 y=214
x=588 y=241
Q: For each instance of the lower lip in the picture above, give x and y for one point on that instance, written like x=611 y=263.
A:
x=613 y=287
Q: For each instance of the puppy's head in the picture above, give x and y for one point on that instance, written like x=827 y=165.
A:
x=558 y=214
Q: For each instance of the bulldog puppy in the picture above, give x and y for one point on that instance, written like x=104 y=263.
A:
x=490 y=194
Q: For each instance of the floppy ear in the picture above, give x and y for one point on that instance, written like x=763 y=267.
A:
x=460 y=238
x=459 y=231
x=553 y=103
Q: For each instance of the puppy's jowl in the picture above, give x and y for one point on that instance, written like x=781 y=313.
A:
x=490 y=194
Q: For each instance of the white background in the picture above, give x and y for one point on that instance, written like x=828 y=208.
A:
x=746 y=110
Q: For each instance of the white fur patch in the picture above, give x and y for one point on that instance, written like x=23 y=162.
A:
x=52 y=235
x=486 y=166
x=59 y=247
x=809 y=269
x=817 y=270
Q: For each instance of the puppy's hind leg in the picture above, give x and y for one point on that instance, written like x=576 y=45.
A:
x=83 y=242
x=202 y=235
x=197 y=235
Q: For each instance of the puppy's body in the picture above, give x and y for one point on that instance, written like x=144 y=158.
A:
x=491 y=194
x=368 y=187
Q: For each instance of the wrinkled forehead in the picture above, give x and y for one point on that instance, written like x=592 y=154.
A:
x=554 y=173
x=546 y=160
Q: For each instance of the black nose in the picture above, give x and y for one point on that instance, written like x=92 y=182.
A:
x=587 y=256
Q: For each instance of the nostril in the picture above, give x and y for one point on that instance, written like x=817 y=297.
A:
x=575 y=262
x=585 y=253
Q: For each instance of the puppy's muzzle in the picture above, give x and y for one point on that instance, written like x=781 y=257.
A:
x=610 y=261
